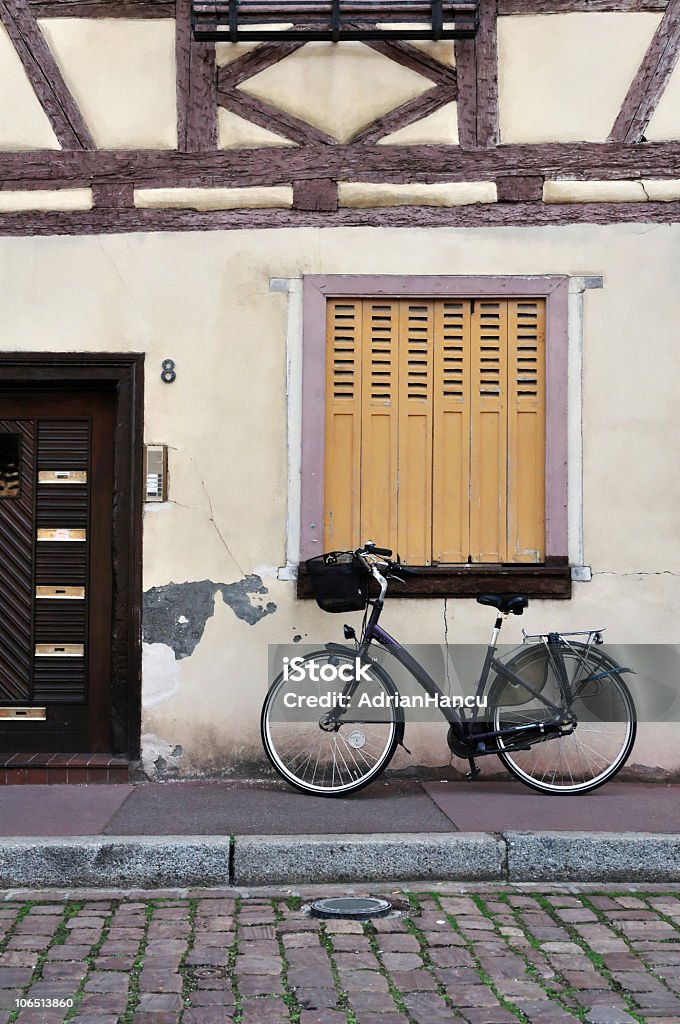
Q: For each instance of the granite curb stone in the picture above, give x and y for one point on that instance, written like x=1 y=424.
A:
x=143 y=861
x=592 y=857
x=268 y=860
x=182 y=861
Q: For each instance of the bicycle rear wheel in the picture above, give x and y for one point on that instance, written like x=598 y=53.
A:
x=603 y=736
x=313 y=752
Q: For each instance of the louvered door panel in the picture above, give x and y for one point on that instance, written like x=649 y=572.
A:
x=379 y=422
x=59 y=622
x=63 y=449
x=343 y=425
x=526 y=431
x=60 y=439
x=16 y=569
x=416 y=338
x=488 y=432
x=451 y=473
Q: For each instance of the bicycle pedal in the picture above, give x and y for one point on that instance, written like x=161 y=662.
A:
x=474 y=771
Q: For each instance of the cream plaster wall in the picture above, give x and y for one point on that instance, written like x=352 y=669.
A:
x=440 y=127
x=235 y=132
x=337 y=89
x=213 y=198
x=204 y=300
x=563 y=77
x=23 y=123
x=122 y=76
x=372 y=194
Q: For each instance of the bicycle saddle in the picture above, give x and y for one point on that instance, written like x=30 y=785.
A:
x=506 y=603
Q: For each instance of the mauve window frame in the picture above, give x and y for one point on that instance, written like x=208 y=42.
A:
x=317 y=289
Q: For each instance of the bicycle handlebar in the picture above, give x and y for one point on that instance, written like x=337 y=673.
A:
x=370 y=549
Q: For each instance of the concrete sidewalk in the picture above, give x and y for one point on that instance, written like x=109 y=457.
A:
x=264 y=833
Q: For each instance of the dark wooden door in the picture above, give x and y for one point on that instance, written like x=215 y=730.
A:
x=56 y=499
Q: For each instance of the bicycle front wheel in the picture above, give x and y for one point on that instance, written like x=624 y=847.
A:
x=316 y=751
x=601 y=704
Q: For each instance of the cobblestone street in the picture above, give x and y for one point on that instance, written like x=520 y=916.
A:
x=483 y=956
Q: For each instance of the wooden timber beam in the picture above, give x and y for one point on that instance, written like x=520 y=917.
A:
x=651 y=80
x=250 y=108
x=44 y=75
x=477 y=67
x=196 y=87
x=406 y=114
x=506 y=7
x=276 y=166
x=103 y=220
x=166 y=8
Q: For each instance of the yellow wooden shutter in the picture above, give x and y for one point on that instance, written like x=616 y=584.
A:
x=451 y=474
x=343 y=424
x=526 y=431
x=488 y=432
x=435 y=428
x=416 y=337
x=379 y=422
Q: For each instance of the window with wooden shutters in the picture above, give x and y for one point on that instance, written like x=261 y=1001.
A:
x=435 y=428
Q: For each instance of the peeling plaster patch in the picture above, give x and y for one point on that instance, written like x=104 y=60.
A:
x=159 y=757
x=175 y=614
x=160 y=673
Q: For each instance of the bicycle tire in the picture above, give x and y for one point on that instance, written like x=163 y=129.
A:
x=331 y=763
x=603 y=738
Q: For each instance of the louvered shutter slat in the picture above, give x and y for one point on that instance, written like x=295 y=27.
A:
x=343 y=424
x=526 y=431
x=488 y=432
x=379 y=422
x=451 y=473
x=416 y=335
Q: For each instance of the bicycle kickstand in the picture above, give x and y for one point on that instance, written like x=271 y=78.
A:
x=474 y=770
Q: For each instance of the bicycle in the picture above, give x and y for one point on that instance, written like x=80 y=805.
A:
x=560 y=717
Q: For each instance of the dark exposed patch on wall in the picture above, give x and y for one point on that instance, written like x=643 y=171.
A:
x=176 y=613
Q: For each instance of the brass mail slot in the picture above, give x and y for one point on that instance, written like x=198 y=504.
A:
x=21 y=714
x=62 y=476
x=61 y=593
x=59 y=650
x=62 y=534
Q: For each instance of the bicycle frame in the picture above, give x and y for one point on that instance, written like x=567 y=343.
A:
x=375 y=632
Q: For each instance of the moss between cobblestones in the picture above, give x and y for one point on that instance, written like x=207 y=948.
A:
x=413 y=929
x=603 y=919
x=343 y=998
x=506 y=1003
x=22 y=913
x=133 y=992
x=60 y=936
x=289 y=997
x=231 y=965
x=89 y=960
x=596 y=959
x=566 y=999
x=397 y=995
x=189 y=983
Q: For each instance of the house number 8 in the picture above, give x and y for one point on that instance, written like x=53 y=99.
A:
x=168 y=374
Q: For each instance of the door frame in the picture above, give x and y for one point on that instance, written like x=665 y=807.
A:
x=124 y=374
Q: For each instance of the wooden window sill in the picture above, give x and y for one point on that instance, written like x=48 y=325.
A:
x=547 y=581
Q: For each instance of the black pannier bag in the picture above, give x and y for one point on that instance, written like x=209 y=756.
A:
x=339 y=581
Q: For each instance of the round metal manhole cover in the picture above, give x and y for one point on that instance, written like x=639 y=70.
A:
x=351 y=906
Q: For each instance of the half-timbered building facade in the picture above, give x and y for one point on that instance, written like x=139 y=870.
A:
x=268 y=293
